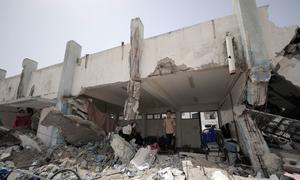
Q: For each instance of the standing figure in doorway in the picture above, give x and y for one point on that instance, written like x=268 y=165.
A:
x=170 y=128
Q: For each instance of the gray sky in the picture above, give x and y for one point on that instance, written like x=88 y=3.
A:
x=39 y=29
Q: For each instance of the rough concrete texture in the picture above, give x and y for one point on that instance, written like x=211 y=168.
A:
x=272 y=162
x=293 y=48
x=255 y=50
x=144 y=158
x=28 y=67
x=132 y=102
x=72 y=54
x=136 y=49
x=74 y=130
x=135 y=55
x=252 y=142
x=168 y=66
x=28 y=141
x=122 y=148
x=2 y=74
x=18 y=137
x=256 y=93
x=287 y=61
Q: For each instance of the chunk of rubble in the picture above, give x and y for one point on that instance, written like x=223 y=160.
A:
x=75 y=130
x=6 y=138
x=144 y=158
x=19 y=137
x=168 y=174
x=168 y=66
x=122 y=148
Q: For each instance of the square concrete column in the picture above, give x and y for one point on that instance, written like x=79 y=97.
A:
x=255 y=51
x=178 y=130
x=72 y=54
x=2 y=74
x=28 y=67
x=51 y=135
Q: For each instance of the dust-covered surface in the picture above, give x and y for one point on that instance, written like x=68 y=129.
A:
x=101 y=159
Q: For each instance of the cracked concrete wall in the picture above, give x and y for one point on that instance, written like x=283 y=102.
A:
x=28 y=67
x=199 y=46
x=45 y=81
x=9 y=87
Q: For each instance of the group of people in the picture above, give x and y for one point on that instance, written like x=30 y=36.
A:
x=130 y=132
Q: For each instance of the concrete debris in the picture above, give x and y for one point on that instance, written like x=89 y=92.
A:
x=293 y=48
x=168 y=174
x=144 y=158
x=5 y=153
x=272 y=162
x=24 y=138
x=218 y=175
x=122 y=148
x=132 y=102
x=27 y=141
x=7 y=139
x=291 y=165
x=79 y=107
x=86 y=131
x=168 y=66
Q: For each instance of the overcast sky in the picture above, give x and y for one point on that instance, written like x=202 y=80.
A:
x=39 y=29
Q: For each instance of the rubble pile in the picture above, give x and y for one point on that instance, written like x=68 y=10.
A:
x=112 y=157
x=91 y=149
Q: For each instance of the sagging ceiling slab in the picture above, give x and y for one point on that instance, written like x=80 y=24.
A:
x=201 y=88
x=29 y=102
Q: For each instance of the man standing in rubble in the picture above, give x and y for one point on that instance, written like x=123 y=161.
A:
x=170 y=128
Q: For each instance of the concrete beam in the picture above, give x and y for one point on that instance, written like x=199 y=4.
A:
x=2 y=74
x=28 y=67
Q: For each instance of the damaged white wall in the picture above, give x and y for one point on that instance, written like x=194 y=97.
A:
x=199 y=46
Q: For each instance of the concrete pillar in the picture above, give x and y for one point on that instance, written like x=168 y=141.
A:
x=178 y=130
x=255 y=51
x=72 y=54
x=259 y=66
x=133 y=88
x=143 y=125
x=28 y=67
x=2 y=74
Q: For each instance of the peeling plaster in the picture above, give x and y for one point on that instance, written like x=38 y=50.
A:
x=168 y=66
x=293 y=48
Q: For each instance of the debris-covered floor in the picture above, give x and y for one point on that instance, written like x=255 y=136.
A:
x=111 y=157
x=92 y=146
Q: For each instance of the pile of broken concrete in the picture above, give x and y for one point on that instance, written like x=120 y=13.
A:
x=23 y=156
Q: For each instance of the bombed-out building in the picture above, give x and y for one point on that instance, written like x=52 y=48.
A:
x=240 y=71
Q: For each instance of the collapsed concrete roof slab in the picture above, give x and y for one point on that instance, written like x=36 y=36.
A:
x=29 y=102
x=86 y=131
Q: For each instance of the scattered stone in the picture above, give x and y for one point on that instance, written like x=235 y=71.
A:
x=122 y=148
x=86 y=131
x=144 y=158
